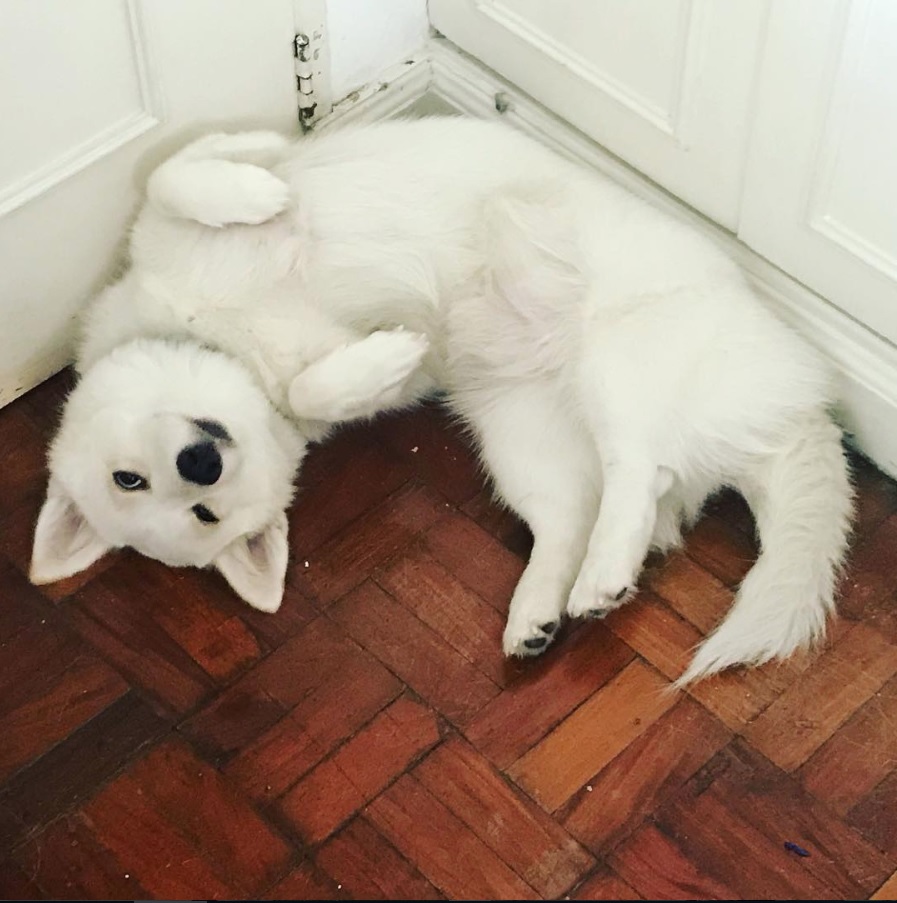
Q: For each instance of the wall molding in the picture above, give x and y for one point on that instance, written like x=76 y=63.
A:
x=394 y=91
x=106 y=140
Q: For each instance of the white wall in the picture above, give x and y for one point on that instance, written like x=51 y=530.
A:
x=368 y=36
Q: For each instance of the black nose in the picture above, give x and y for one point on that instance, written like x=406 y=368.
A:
x=200 y=463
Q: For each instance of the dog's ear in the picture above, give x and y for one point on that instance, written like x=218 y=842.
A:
x=64 y=542
x=256 y=566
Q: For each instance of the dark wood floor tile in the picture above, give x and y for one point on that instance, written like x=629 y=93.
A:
x=477 y=559
x=734 y=818
x=448 y=853
x=418 y=655
x=23 y=469
x=653 y=864
x=824 y=697
x=876 y=496
x=602 y=727
x=461 y=617
x=68 y=862
x=547 y=690
x=724 y=550
x=858 y=756
x=888 y=890
x=50 y=684
x=500 y=522
x=218 y=843
x=317 y=687
x=875 y=816
x=531 y=843
x=123 y=628
x=272 y=629
x=655 y=632
x=691 y=591
x=730 y=506
x=44 y=402
x=255 y=702
x=195 y=609
x=650 y=769
x=347 y=559
x=22 y=606
x=310 y=732
x=604 y=884
x=438 y=452
x=306 y=882
x=341 y=480
x=365 y=866
x=81 y=763
x=342 y=784
x=869 y=578
x=15 y=884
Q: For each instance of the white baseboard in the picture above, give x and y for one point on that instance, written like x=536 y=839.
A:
x=395 y=90
x=867 y=362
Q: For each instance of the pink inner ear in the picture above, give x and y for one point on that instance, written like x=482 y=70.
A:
x=255 y=566
x=257 y=546
x=64 y=542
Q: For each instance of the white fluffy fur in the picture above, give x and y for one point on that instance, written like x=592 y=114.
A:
x=613 y=366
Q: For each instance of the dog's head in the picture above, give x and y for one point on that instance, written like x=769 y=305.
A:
x=173 y=450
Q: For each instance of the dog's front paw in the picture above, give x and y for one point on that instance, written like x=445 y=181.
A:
x=390 y=357
x=360 y=379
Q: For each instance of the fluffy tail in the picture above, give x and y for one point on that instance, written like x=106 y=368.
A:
x=802 y=501
x=222 y=179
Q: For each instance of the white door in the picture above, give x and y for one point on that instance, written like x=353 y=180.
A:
x=821 y=190
x=664 y=84
x=92 y=94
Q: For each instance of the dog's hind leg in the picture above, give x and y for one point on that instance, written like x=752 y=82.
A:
x=543 y=466
x=260 y=148
x=624 y=530
x=221 y=179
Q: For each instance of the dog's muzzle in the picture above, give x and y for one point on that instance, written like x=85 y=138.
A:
x=200 y=463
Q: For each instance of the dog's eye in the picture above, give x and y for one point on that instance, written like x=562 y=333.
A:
x=128 y=481
x=203 y=514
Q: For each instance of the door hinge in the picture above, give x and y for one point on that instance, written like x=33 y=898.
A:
x=305 y=80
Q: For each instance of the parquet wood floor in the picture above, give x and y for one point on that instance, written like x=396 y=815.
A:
x=160 y=740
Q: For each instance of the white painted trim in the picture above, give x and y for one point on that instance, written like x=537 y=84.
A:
x=105 y=141
x=395 y=90
x=867 y=362
x=79 y=157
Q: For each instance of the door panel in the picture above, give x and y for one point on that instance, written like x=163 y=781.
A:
x=664 y=84
x=821 y=190
x=92 y=95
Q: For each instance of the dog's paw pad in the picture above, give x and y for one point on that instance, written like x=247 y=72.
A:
x=531 y=639
x=588 y=602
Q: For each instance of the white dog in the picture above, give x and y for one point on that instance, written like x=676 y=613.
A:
x=613 y=366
